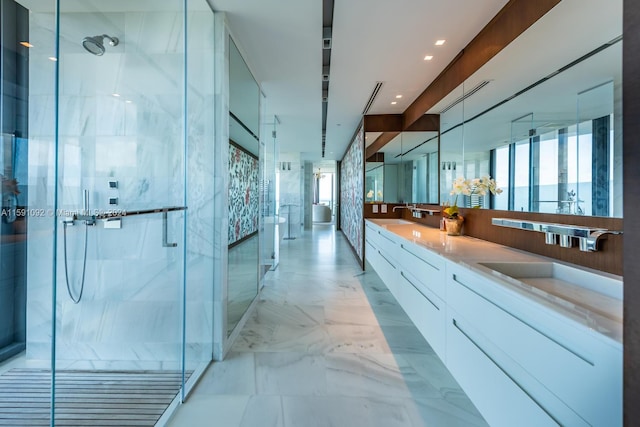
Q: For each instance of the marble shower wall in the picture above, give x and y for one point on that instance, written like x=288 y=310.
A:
x=291 y=171
x=121 y=117
x=351 y=194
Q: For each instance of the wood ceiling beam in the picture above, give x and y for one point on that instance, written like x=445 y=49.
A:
x=512 y=20
x=383 y=122
x=380 y=142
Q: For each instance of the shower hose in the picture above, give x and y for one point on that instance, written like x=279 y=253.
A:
x=77 y=299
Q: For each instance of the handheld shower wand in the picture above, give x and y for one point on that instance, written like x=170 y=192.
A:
x=88 y=220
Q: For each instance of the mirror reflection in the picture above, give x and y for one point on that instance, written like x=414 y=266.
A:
x=244 y=149
x=544 y=118
x=405 y=170
x=451 y=141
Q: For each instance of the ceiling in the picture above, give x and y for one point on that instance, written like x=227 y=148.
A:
x=372 y=40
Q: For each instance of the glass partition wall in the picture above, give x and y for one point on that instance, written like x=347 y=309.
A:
x=245 y=195
x=109 y=225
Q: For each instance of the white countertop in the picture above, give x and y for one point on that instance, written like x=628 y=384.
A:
x=598 y=312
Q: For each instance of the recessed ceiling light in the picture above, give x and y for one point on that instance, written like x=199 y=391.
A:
x=398 y=96
x=26 y=44
x=440 y=42
x=53 y=58
x=394 y=103
x=128 y=101
x=117 y=95
x=428 y=58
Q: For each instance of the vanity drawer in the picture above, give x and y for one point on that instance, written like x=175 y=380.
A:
x=582 y=371
x=380 y=237
x=500 y=398
x=428 y=268
x=371 y=233
x=384 y=265
x=425 y=309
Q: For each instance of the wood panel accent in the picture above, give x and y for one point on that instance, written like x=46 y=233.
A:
x=368 y=211
x=96 y=398
x=380 y=142
x=383 y=122
x=425 y=123
x=631 y=179
x=428 y=220
x=376 y=158
x=514 y=18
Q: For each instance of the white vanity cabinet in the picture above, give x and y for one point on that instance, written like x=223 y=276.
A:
x=569 y=374
x=416 y=278
x=525 y=358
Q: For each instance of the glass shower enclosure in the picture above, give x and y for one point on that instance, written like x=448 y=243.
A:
x=107 y=157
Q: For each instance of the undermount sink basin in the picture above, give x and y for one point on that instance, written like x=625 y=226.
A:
x=388 y=221
x=600 y=293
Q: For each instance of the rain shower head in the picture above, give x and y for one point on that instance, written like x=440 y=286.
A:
x=95 y=44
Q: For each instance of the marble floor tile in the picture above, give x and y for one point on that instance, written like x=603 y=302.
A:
x=329 y=346
x=383 y=315
x=254 y=337
x=350 y=315
x=357 y=339
x=235 y=376
x=375 y=375
x=344 y=412
x=290 y=374
x=206 y=410
x=439 y=412
x=263 y=411
x=269 y=313
x=309 y=339
x=406 y=339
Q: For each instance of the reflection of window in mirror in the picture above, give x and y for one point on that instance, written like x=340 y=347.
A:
x=475 y=167
x=565 y=171
x=500 y=173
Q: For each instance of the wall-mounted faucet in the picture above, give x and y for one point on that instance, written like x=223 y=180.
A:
x=407 y=206
x=416 y=212
x=588 y=237
x=590 y=244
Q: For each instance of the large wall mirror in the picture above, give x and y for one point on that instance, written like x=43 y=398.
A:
x=544 y=116
x=404 y=170
x=244 y=149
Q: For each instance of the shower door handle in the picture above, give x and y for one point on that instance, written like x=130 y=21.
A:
x=165 y=242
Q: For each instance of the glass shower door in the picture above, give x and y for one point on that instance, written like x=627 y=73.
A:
x=120 y=204
x=270 y=236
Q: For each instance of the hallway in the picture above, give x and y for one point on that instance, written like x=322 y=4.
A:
x=327 y=345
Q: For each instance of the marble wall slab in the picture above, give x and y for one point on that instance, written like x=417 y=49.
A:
x=291 y=202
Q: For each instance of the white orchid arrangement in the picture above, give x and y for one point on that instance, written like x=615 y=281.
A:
x=468 y=187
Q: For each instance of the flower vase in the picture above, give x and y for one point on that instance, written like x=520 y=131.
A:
x=454 y=225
